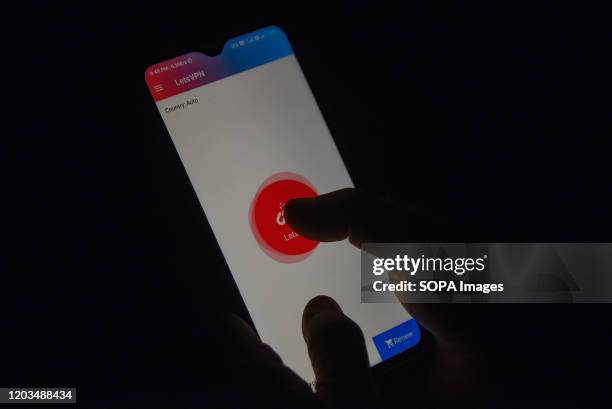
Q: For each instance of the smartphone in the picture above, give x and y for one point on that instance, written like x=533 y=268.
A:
x=250 y=135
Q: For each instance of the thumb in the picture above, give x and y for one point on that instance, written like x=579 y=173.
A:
x=255 y=369
x=338 y=354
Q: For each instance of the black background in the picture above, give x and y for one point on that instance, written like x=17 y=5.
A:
x=494 y=113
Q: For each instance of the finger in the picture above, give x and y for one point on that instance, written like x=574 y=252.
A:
x=338 y=354
x=366 y=218
x=258 y=373
x=360 y=217
x=324 y=218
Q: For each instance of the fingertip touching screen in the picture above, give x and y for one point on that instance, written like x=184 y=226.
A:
x=250 y=136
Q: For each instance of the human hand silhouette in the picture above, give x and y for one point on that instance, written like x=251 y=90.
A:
x=337 y=351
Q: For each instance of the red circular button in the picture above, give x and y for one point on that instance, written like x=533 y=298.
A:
x=270 y=229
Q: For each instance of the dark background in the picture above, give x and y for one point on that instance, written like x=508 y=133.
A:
x=496 y=114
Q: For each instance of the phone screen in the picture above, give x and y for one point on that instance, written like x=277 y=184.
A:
x=250 y=136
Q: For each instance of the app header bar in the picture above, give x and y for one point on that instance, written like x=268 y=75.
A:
x=195 y=69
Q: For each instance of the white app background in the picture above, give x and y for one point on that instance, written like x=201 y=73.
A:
x=243 y=129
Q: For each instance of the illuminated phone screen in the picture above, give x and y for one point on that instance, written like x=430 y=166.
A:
x=250 y=135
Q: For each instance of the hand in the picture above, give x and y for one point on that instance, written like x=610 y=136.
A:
x=337 y=351
x=360 y=217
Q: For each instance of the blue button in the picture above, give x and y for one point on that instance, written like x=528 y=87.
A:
x=397 y=339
